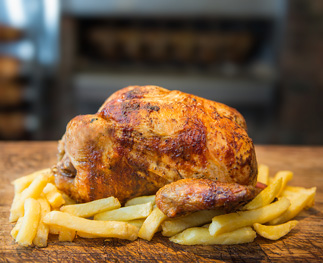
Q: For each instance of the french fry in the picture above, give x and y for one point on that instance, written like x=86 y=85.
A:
x=263 y=174
x=115 y=229
x=68 y=200
x=229 y=222
x=141 y=218
x=292 y=192
x=53 y=196
x=266 y=196
x=28 y=228
x=15 y=215
x=137 y=222
x=126 y=213
x=270 y=180
x=40 y=240
x=151 y=224
x=173 y=226
x=91 y=208
x=15 y=230
x=298 y=203
x=32 y=191
x=201 y=236
x=286 y=176
x=22 y=183
x=54 y=230
x=86 y=235
x=275 y=232
x=141 y=200
x=310 y=202
x=294 y=189
x=66 y=235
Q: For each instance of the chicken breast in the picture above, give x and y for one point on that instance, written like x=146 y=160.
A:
x=145 y=137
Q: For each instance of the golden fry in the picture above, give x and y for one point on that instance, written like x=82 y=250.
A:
x=140 y=218
x=15 y=213
x=173 y=226
x=15 y=230
x=28 y=228
x=54 y=230
x=229 y=222
x=274 y=232
x=292 y=192
x=22 y=183
x=126 y=213
x=53 y=196
x=151 y=224
x=41 y=237
x=310 y=202
x=32 y=191
x=201 y=236
x=115 y=229
x=294 y=189
x=86 y=235
x=263 y=174
x=68 y=200
x=298 y=203
x=286 y=176
x=141 y=200
x=270 y=180
x=91 y=208
x=266 y=196
x=137 y=222
x=66 y=235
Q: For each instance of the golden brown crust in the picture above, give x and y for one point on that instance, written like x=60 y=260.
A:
x=144 y=137
x=191 y=195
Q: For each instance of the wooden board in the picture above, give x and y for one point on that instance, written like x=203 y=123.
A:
x=305 y=243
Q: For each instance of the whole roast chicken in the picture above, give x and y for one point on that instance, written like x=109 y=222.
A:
x=195 y=153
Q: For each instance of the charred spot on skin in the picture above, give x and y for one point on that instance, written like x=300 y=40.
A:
x=128 y=107
x=136 y=93
x=93 y=120
x=229 y=156
x=151 y=108
x=209 y=199
x=126 y=139
x=190 y=141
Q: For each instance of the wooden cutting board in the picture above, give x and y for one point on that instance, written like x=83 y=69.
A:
x=304 y=243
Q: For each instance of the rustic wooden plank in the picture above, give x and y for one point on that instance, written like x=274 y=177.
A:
x=302 y=244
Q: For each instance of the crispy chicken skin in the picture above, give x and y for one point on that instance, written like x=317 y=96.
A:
x=145 y=137
x=190 y=195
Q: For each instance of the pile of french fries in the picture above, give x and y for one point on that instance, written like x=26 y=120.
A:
x=40 y=209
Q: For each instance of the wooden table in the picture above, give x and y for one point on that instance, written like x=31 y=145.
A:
x=304 y=243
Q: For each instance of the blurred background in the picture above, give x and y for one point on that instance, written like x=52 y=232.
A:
x=59 y=59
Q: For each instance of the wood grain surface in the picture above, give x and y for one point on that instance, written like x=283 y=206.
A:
x=302 y=244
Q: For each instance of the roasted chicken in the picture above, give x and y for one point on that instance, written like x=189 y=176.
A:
x=146 y=138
